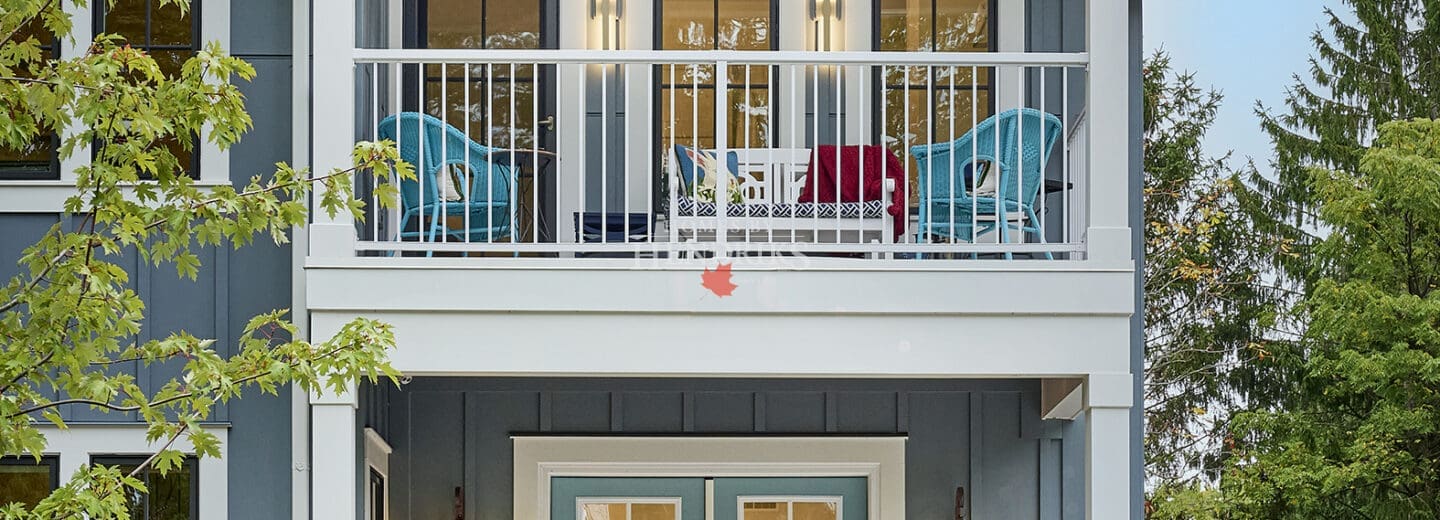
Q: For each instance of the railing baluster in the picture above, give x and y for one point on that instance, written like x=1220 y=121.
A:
x=436 y=231
x=535 y=143
x=421 y=171
x=975 y=152
x=375 y=136
x=512 y=184
x=604 y=156
x=442 y=176
x=490 y=145
x=722 y=157
x=839 y=142
x=1065 y=140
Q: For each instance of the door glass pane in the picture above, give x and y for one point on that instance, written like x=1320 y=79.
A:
x=603 y=512
x=652 y=512
x=814 y=511
x=628 y=511
x=766 y=511
x=798 y=509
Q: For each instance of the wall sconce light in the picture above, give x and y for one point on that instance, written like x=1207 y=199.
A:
x=598 y=6
x=609 y=13
x=825 y=9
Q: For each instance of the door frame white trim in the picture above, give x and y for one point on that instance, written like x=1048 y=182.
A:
x=881 y=460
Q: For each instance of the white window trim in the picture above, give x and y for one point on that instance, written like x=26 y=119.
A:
x=48 y=196
x=881 y=460
x=76 y=445
x=788 y=500
x=627 y=501
x=377 y=459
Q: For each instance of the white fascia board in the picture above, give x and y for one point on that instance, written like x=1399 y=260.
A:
x=672 y=290
x=760 y=345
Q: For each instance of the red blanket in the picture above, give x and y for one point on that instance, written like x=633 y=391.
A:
x=822 y=177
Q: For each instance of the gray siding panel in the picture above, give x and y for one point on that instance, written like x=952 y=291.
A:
x=453 y=433
x=256 y=279
x=260 y=27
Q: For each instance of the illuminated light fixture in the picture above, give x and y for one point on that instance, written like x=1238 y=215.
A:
x=597 y=6
x=825 y=9
x=609 y=13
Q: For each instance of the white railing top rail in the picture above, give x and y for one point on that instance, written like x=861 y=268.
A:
x=643 y=57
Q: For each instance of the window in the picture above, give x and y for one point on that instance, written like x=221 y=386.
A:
x=38 y=159
x=376 y=509
x=494 y=92
x=26 y=481
x=924 y=26
x=707 y=25
x=173 y=496
x=169 y=36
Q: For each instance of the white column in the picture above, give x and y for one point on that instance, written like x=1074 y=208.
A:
x=333 y=474
x=333 y=114
x=1108 y=398
x=1108 y=106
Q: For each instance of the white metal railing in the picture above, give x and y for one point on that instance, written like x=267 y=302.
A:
x=575 y=152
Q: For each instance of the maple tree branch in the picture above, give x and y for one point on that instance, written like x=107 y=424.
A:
x=28 y=21
x=260 y=191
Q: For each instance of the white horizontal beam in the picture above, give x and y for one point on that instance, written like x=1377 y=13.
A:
x=794 y=289
x=628 y=344
x=647 y=57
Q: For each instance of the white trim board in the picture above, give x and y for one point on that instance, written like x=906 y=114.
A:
x=881 y=460
x=77 y=444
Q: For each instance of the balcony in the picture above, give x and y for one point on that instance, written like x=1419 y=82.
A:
x=849 y=157
x=882 y=214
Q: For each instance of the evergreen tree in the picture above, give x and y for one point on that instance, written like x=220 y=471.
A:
x=1208 y=311
x=1378 y=62
x=1361 y=438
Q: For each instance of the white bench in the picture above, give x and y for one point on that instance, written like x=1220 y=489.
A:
x=773 y=179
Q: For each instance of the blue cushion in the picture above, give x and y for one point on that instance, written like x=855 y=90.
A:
x=687 y=166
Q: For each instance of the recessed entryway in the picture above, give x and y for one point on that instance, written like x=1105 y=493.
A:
x=709 y=478
x=706 y=498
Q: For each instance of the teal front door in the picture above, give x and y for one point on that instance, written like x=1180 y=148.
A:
x=685 y=498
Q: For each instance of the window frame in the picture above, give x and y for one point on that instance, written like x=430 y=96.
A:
x=52 y=171
x=192 y=463
x=197 y=38
x=51 y=461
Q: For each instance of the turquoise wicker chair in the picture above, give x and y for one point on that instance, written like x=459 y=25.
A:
x=1026 y=138
x=486 y=201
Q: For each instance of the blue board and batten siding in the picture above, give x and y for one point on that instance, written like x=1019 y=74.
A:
x=987 y=436
x=232 y=285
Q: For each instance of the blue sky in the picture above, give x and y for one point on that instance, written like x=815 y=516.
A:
x=1247 y=49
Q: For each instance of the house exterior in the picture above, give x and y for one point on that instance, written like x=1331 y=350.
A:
x=595 y=321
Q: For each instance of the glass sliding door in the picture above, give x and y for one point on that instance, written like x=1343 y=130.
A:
x=932 y=104
x=706 y=25
x=484 y=100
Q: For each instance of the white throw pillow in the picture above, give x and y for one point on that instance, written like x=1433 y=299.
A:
x=449 y=178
